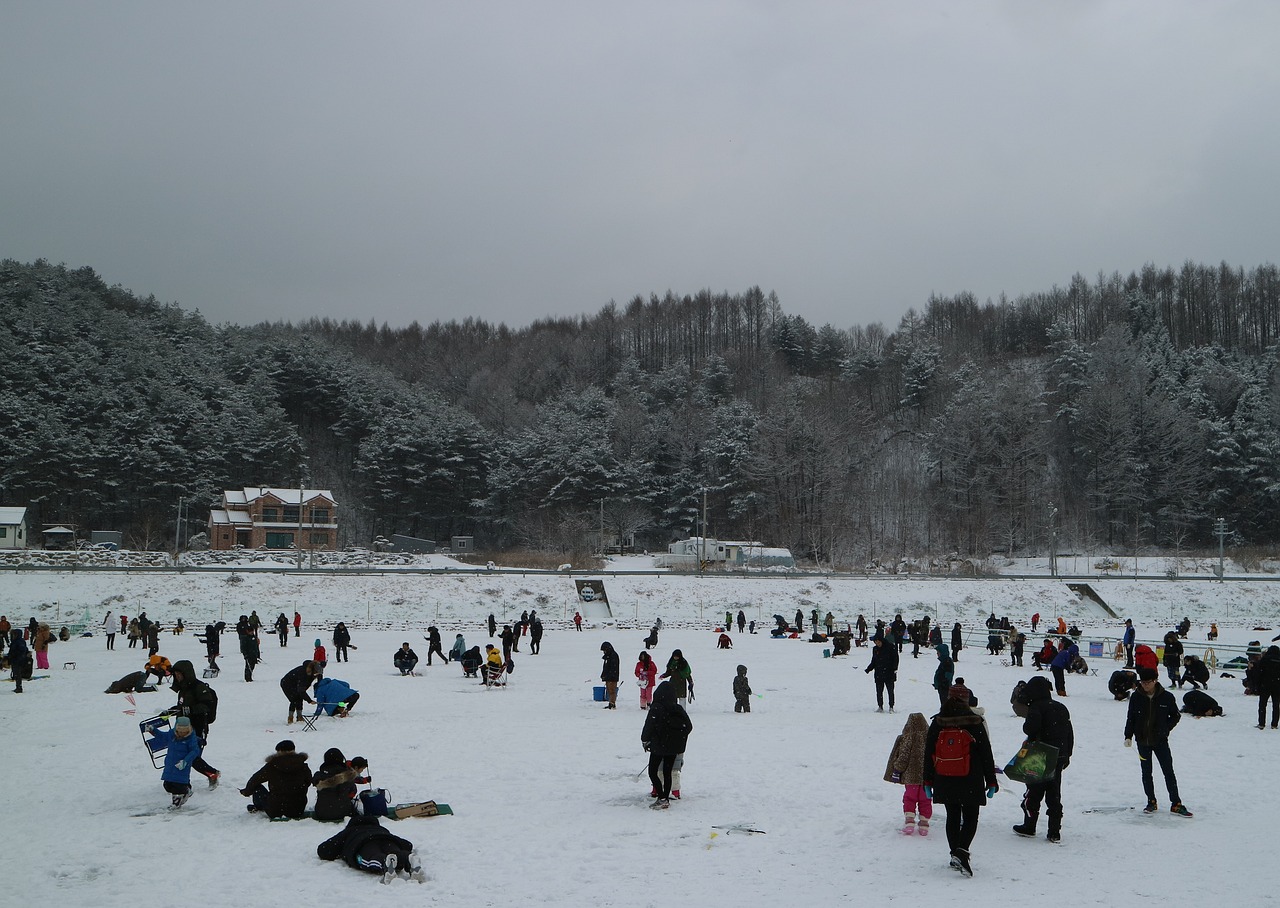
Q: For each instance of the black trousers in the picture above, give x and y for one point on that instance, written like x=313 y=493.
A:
x=881 y=687
x=660 y=767
x=962 y=825
x=1274 y=696
x=1050 y=793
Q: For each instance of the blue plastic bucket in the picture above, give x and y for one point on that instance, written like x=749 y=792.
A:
x=597 y=694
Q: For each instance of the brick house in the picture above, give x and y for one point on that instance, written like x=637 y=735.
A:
x=274 y=519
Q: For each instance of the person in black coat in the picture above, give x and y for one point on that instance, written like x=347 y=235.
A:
x=1173 y=656
x=1266 y=678
x=1048 y=722
x=212 y=644
x=508 y=637
x=341 y=640
x=405 y=659
x=664 y=736
x=609 y=674
x=884 y=662
x=198 y=702
x=1122 y=683
x=963 y=796
x=296 y=685
x=1153 y=714
x=335 y=784
x=365 y=845
x=249 y=647
x=957 y=641
x=1194 y=671
x=279 y=788
x=493 y=626
x=434 y=644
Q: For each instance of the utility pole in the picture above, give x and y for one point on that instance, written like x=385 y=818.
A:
x=702 y=560
x=1220 y=530
x=1053 y=541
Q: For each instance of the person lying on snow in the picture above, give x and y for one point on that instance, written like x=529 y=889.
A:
x=365 y=845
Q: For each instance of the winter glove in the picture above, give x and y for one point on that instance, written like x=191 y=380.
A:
x=181 y=764
x=246 y=792
x=896 y=777
x=991 y=792
x=928 y=792
x=1128 y=742
x=645 y=745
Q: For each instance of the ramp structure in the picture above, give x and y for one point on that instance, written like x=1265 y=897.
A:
x=1087 y=593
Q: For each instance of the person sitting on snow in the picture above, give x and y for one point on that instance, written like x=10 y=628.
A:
x=279 y=788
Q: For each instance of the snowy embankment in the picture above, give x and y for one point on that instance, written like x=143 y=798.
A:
x=549 y=806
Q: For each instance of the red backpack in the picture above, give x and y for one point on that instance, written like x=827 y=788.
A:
x=951 y=752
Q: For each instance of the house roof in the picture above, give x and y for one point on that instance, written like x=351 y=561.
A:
x=12 y=516
x=59 y=531
x=288 y=496
x=219 y=517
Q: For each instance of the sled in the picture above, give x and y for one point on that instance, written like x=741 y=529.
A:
x=1034 y=763
x=420 y=809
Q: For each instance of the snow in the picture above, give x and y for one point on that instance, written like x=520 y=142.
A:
x=547 y=787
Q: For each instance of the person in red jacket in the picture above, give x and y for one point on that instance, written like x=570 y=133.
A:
x=646 y=677
x=297 y=624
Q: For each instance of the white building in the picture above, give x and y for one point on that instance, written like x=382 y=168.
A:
x=13 y=528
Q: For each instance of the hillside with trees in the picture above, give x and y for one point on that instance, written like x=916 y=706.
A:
x=1122 y=413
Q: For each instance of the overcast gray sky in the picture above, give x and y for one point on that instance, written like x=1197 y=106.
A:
x=515 y=160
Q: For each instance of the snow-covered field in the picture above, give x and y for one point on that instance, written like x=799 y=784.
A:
x=547 y=787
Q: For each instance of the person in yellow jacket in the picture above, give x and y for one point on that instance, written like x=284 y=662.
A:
x=493 y=663
x=159 y=666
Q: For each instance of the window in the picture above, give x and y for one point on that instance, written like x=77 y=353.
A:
x=4 y=532
x=270 y=515
x=290 y=514
x=319 y=515
x=279 y=540
x=319 y=539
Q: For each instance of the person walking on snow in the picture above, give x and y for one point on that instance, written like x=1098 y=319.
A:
x=1266 y=676
x=183 y=750
x=681 y=676
x=944 y=673
x=341 y=640
x=664 y=737
x=1048 y=722
x=961 y=786
x=906 y=768
x=884 y=662
x=1153 y=714
x=1067 y=653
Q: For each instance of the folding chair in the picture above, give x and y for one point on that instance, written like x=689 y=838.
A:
x=309 y=722
x=495 y=676
x=155 y=749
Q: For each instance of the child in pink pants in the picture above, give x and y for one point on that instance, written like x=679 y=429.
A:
x=646 y=674
x=906 y=767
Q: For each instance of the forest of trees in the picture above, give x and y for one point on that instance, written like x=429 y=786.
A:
x=1119 y=414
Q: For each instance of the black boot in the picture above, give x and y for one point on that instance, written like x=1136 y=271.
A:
x=1028 y=825
x=1055 y=829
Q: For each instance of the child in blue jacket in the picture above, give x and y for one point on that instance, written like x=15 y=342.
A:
x=184 y=748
